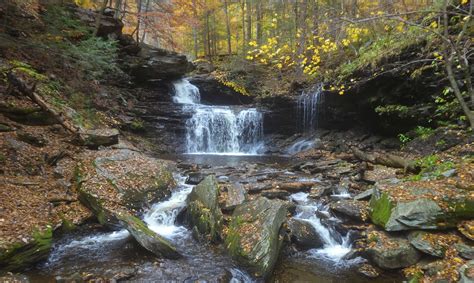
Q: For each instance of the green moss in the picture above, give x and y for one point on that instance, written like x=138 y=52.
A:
x=24 y=68
x=19 y=255
x=381 y=209
x=137 y=125
x=232 y=240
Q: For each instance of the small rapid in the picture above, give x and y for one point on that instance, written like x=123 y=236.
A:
x=222 y=130
x=335 y=245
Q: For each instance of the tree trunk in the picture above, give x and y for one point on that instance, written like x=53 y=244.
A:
x=139 y=16
x=259 y=21
x=145 y=21
x=249 y=20
x=244 y=38
x=227 y=26
x=99 y=17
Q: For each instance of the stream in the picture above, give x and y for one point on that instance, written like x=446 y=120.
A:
x=226 y=141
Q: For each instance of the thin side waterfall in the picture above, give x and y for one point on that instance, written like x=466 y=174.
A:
x=218 y=129
x=308 y=108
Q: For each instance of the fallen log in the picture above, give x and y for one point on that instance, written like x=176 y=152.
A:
x=389 y=160
x=30 y=92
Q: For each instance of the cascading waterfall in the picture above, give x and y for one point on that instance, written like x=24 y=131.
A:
x=335 y=246
x=308 y=108
x=219 y=129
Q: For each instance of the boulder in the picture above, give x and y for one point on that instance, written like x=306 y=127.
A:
x=195 y=178
x=438 y=206
x=100 y=137
x=303 y=234
x=390 y=252
x=254 y=237
x=116 y=184
x=109 y=27
x=154 y=64
x=203 y=209
x=236 y=195
x=466 y=228
x=26 y=251
x=356 y=210
x=465 y=251
x=466 y=272
x=429 y=243
x=365 y=195
x=146 y=237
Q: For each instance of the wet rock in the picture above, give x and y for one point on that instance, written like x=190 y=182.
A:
x=214 y=92
x=146 y=237
x=465 y=250
x=100 y=137
x=26 y=251
x=153 y=64
x=30 y=138
x=27 y=115
x=223 y=179
x=121 y=179
x=203 y=210
x=365 y=195
x=416 y=208
x=257 y=188
x=368 y=271
x=303 y=234
x=466 y=272
x=195 y=178
x=353 y=209
x=236 y=195
x=426 y=242
x=273 y=194
x=14 y=278
x=253 y=237
x=320 y=191
x=391 y=252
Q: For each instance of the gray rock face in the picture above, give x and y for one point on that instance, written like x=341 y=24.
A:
x=236 y=195
x=203 y=209
x=100 y=137
x=303 y=234
x=152 y=64
x=109 y=26
x=466 y=272
x=465 y=251
x=195 y=178
x=253 y=237
x=353 y=209
x=391 y=252
x=147 y=238
x=420 y=240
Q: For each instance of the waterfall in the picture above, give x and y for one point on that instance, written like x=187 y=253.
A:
x=308 y=108
x=161 y=218
x=185 y=92
x=218 y=129
x=335 y=246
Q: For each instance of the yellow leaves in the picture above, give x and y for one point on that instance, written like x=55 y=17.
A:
x=253 y=43
x=345 y=42
x=249 y=57
x=438 y=56
x=434 y=25
x=464 y=2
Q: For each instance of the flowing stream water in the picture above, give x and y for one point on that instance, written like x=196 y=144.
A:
x=218 y=129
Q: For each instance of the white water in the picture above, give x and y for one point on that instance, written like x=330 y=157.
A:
x=185 y=92
x=301 y=145
x=308 y=108
x=333 y=249
x=219 y=129
x=161 y=218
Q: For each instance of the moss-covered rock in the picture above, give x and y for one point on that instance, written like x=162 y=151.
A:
x=27 y=252
x=254 y=235
x=146 y=237
x=203 y=210
x=413 y=205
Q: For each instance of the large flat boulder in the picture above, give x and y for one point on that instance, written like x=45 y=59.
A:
x=203 y=210
x=117 y=184
x=391 y=252
x=420 y=205
x=154 y=64
x=303 y=234
x=254 y=237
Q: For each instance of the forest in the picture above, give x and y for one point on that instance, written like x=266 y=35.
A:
x=236 y=141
